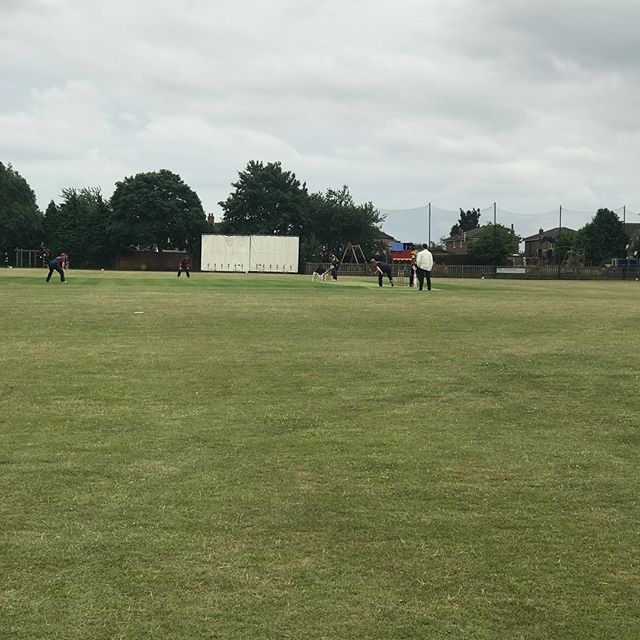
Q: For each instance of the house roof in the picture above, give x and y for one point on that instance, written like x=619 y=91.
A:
x=548 y=233
x=465 y=235
x=386 y=236
x=632 y=228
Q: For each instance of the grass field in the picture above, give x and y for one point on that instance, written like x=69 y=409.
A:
x=267 y=457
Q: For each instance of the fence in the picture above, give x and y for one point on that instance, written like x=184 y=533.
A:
x=150 y=261
x=541 y=273
x=28 y=258
x=480 y=271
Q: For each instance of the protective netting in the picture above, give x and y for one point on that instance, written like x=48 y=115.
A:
x=416 y=225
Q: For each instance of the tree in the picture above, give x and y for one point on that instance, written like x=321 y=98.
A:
x=468 y=220
x=80 y=225
x=266 y=200
x=269 y=200
x=21 y=222
x=495 y=244
x=156 y=209
x=564 y=244
x=603 y=238
x=335 y=219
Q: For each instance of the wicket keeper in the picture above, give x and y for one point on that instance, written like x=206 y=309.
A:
x=184 y=266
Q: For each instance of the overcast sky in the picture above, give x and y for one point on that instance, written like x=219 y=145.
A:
x=461 y=103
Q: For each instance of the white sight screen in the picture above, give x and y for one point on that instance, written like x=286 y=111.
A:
x=274 y=254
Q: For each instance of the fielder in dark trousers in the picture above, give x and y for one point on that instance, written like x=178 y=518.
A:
x=335 y=263
x=382 y=269
x=184 y=266
x=57 y=264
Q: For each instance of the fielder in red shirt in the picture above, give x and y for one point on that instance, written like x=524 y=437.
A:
x=184 y=266
x=58 y=264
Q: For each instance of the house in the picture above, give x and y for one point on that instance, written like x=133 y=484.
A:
x=459 y=244
x=632 y=229
x=388 y=240
x=542 y=244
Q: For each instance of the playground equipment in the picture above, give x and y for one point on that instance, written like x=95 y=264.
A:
x=573 y=259
x=356 y=255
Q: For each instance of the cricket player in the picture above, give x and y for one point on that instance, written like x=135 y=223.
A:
x=424 y=262
x=382 y=269
x=320 y=273
x=184 y=266
x=57 y=264
x=335 y=264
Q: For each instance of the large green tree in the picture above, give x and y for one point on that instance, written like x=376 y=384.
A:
x=495 y=244
x=603 y=238
x=156 y=209
x=80 y=225
x=270 y=200
x=266 y=200
x=468 y=220
x=21 y=222
x=335 y=219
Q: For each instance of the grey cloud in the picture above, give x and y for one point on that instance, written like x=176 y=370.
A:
x=458 y=103
x=591 y=33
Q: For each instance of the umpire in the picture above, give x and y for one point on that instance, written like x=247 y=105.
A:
x=424 y=264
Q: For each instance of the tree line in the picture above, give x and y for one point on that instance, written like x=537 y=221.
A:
x=158 y=210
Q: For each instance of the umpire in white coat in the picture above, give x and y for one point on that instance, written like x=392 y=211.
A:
x=424 y=264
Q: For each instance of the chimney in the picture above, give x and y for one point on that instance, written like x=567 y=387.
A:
x=210 y=219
